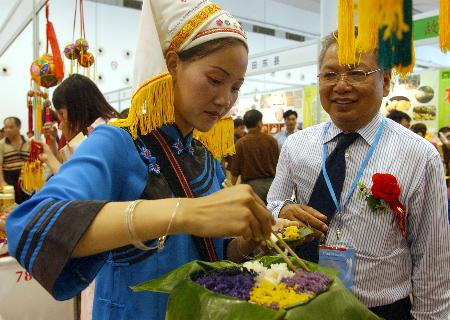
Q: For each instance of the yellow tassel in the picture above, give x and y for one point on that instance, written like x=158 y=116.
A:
x=368 y=24
x=391 y=16
x=151 y=106
x=32 y=176
x=444 y=25
x=403 y=71
x=220 y=139
x=39 y=116
x=346 y=31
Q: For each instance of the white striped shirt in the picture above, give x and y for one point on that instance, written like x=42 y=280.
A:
x=388 y=267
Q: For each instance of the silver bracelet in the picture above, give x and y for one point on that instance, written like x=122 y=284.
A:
x=129 y=212
x=135 y=241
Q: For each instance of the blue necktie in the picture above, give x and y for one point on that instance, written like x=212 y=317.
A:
x=321 y=199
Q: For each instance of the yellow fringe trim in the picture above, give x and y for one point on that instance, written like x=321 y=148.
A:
x=403 y=71
x=32 y=175
x=220 y=139
x=444 y=25
x=368 y=24
x=151 y=106
x=346 y=31
x=392 y=17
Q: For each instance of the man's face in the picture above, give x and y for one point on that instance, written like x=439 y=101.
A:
x=239 y=131
x=12 y=130
x=291 y=123
x=352 y=105
x=405 y=123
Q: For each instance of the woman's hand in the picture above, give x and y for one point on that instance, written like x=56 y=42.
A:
x=50 y=131
x=281 y=223
x=235 y=211
x=48 y=157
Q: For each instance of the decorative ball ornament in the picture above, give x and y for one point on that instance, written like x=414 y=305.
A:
x=86 y=59
x=47 y=103
x=42 y=71
x=81 y=45
x=30 y=93
x=71 y=52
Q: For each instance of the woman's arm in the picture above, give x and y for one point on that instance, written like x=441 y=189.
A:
x=202 y=217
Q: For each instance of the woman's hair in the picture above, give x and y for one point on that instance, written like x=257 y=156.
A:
x=207 y=48
x=84 y=102
x=419 y=128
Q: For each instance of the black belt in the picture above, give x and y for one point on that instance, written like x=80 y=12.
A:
x=398 y=310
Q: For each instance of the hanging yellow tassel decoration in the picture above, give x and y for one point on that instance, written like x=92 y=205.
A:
x=220 y=139
x=346 y=31
x=403 y=71
x=368 y=24
x=151 y=106
x=392 y=17
x=444 y=25
x=32 y=176
x=38 y=118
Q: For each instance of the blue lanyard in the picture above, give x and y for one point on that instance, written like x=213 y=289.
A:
x=360 y=171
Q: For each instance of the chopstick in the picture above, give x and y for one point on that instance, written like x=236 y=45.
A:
x=292 y=252
x=273 y=244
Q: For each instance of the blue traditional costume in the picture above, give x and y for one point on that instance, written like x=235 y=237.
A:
x=142 y=157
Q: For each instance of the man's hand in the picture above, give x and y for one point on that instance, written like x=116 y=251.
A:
x=306 y=216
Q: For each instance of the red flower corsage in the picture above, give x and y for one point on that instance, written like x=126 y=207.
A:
x=385 y=194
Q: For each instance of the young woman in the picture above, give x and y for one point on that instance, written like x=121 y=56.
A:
x=81 y=224
x=80 y=106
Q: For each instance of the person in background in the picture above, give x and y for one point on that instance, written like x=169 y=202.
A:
x=14 y=152
x=290 y=121
x=394 y=259
x=239 y=129
x=420 y=129
x=400 y=117
x=444 y=137
x=239 y=132
x=124 y=113
x=256 y=156
x=80 y=107
x=135 y=184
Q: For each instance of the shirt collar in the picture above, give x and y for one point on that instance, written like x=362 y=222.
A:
x=254 y=130
x=174 y=134
x=368 y=132
x=287 y=134
x=7 y=141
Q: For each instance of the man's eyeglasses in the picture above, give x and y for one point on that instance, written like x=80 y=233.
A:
x=351 y=76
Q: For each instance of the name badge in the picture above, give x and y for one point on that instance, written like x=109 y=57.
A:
x=342 y=260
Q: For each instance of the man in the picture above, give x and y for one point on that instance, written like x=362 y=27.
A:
x=256 y=156
x=400 y=117
x=14 y=151
x=290 y=121
x=389 y=267
x=239 y=129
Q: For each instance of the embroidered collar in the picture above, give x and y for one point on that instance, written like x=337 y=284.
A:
x=178 y=143
x=368 y=132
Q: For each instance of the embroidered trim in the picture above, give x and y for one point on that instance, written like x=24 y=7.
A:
x=215 y=30
x=172 y=29
x=180 y=148
x=147 y=156
x=189 y=28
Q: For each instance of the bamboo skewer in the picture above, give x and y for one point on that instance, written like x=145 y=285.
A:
x=273 y=244
x=292 y=252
